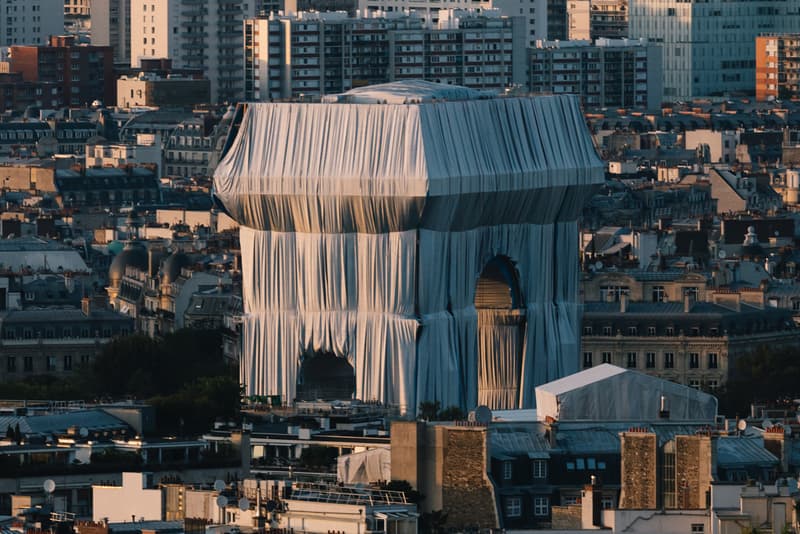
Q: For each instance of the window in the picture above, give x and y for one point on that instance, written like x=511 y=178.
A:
x=670 y=330
x=633 y=331
x=613 y=293
x=606 y=357
x=541 y=506
x=68 y=362
x=570 y=466
x=567 y=500
x=51 y=363
x=606 y=330
x=540 y=469
x=607 y=503
x=713 y=360
x=694 y=360
x=513 y=506
x=591 y=464
x=587 y=360
x=508 y=470
x=659 y=294
x=650 y=360
x=11 y=364
x=694 y=383
x=631 y=359
x=28 y=363
x=651 y=330
x=669 y=360
x=698 y=528
x=712 y=385
x=587 y=330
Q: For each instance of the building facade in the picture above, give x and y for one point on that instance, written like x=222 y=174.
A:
x=31 y=22
x=81 y=74
x=56 y=342
x=195 y=35
x=692 y=343
x=339 y=53
x=778 y=66
x=110 y=26
x=709 y=47
x=610 y=73
x=154 y=91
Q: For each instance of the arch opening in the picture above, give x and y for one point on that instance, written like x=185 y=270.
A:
x=501 y=334
x=325 y=376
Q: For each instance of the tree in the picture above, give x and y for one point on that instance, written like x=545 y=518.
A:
x=428 y=410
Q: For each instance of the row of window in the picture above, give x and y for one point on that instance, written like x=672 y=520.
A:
x=50 y=333
x=539 y=470
x=52 y=363
x=650 y=360
x=608 y=330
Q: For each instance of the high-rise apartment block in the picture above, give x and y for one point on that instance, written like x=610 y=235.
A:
x=544 y=19
x=709 y=45
x=196 y=34
x=325 y=53
x=778 y=66
x=79 y=74
x=30 y=22
x=110 y=26
x=610 y=73
x=595 y=19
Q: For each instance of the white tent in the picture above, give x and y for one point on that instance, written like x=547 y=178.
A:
x=611 y=393
x=364 y=467
x=365 y=229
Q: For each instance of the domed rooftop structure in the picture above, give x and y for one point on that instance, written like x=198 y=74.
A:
x=134 y=255
x=171 y=269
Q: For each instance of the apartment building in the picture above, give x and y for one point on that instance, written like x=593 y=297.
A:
x=544 y=19
x=110 y=22
x=709 y=47
x=325 y=53
x=196 y=34
x=611 y=73
x=77 y=72
x=778 y=66
x=30 y=22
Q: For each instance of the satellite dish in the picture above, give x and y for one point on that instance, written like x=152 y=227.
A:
x=271 y=506
x=219 y=485
x=83 y=432
x=741 y=425
x=722 y=254
x=483 y=415
x=766 y=423
x=244 y=504
x=598 y=265
x=49 y=485
x=787 y=430
x=222 y=501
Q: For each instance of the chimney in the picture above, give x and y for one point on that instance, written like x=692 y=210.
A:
x=688 y=302
x=663 y=412
x=86 y=306
x=591 y=509
x=623 y=303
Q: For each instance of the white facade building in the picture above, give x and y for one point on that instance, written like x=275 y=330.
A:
x=30 y=22
x=709 y=46
x=206 y=36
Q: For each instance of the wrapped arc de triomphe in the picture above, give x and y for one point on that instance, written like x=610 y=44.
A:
x=425 y=233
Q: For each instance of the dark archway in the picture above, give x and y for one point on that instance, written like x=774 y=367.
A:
x=325 y=376
x=501 y=334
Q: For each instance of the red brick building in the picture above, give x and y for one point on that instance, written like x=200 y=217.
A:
x=79 y=73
